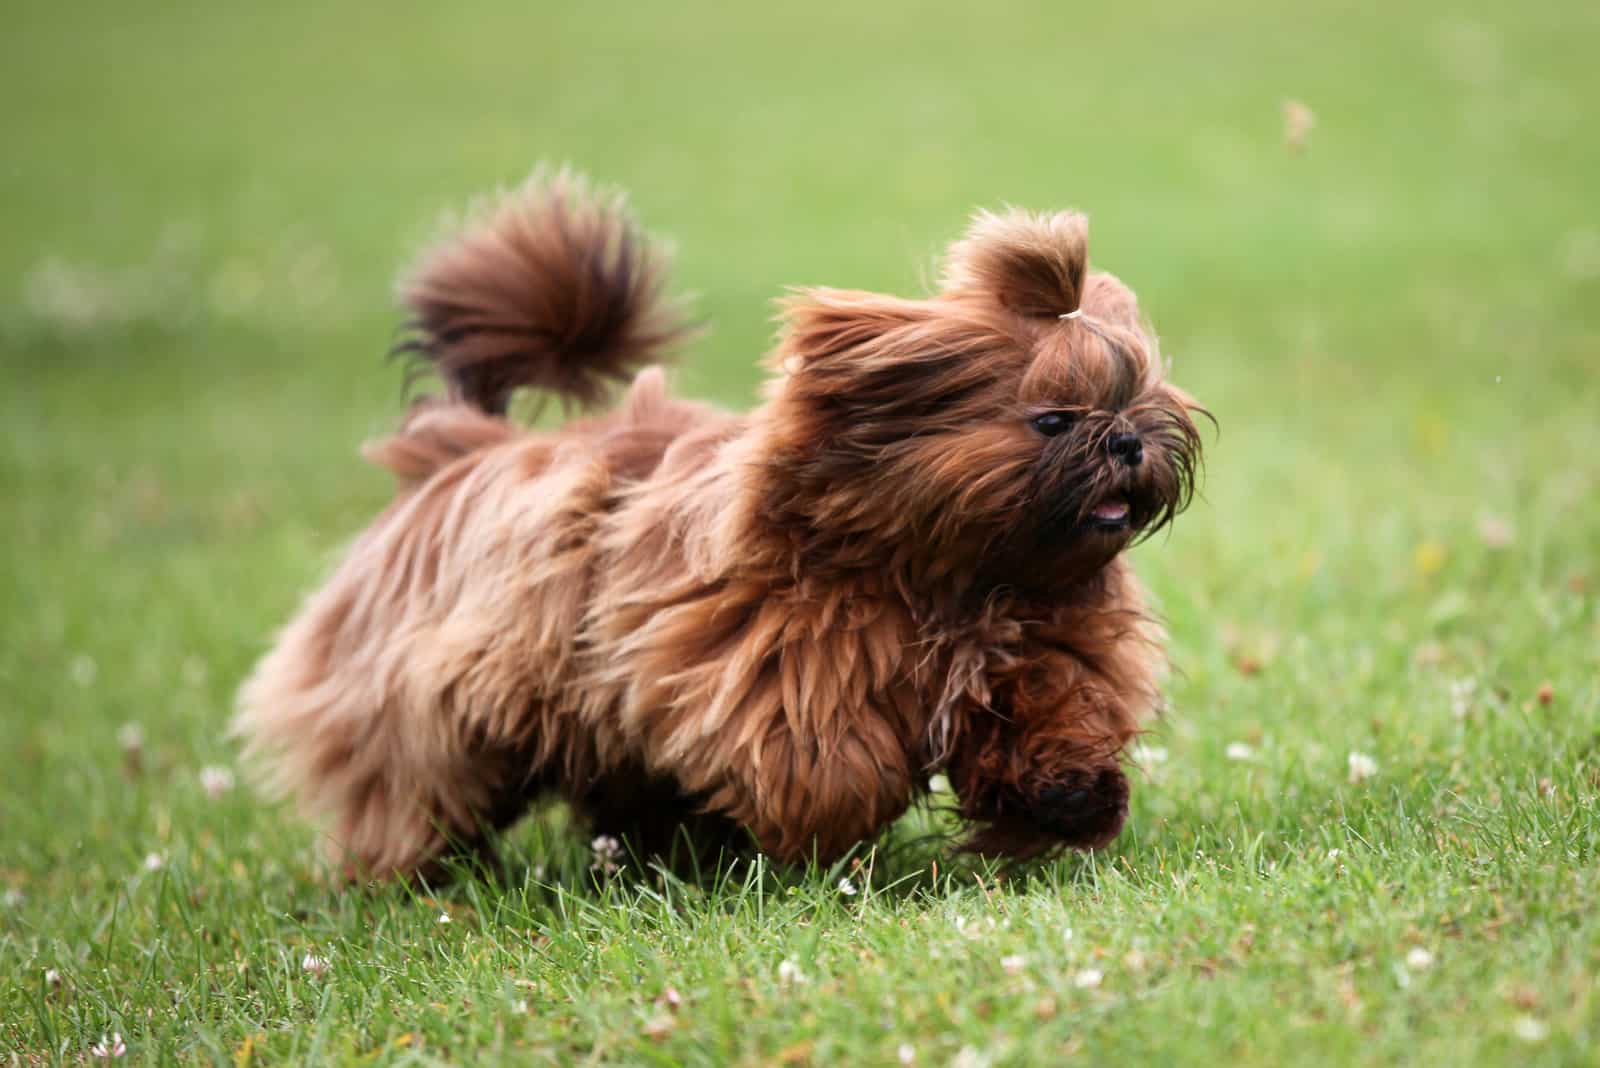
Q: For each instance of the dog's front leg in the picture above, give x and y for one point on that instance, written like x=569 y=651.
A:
x=812 y=798
x=807 y=786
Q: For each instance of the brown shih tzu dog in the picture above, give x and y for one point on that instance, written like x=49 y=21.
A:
x=907 y=559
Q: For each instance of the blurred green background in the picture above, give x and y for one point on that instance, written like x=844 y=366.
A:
x=1396 y=323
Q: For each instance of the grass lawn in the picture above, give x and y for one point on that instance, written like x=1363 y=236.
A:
x=1397 y=553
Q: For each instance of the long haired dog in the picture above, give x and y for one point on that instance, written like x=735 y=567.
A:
x=907 y=559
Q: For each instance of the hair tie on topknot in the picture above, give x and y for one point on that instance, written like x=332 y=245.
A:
x=1075 y=313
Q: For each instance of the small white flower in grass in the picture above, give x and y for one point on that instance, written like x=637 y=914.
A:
x=1530 y=1029
x=1148 y=755
x=847 y=888
x=974 y=928
x=1362 y=767
x=52 y=978
x=1496 y=532
x=1238 y=751
x=130 y=737
x=967 y=1057
x=1333 y=854
x=84 y=670
x=314 y=966
x=1297 y=123
x=154 y=862
x=14 y=898
x=607 y=853
x=906 y=1053
x=108 y=1048
x=1088 y=979
x=444 y=917
x=789 y=973
x=215 y=781
x=1419 y=959
x=1013 y=964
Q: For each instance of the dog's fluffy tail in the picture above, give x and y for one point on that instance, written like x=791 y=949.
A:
x=554 y=288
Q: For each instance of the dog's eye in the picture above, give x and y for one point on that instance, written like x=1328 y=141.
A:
x=1052 y=423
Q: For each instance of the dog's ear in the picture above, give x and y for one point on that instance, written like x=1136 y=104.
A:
x=1033 y=265
x=820 y=324
x=847 y=353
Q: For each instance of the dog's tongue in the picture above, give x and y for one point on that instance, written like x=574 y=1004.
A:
x=1112 y=510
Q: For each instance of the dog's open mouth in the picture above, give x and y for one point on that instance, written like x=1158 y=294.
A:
x=1110 y=514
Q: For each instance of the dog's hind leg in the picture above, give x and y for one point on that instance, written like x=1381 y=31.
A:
x=406 y=703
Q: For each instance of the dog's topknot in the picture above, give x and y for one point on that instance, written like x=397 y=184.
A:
x=1032 y=264
x=554 y=288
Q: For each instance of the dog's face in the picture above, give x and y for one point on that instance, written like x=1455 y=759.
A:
x=1014 y=429
x=1011 y=433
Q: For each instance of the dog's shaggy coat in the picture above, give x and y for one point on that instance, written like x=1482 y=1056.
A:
x=906 y=560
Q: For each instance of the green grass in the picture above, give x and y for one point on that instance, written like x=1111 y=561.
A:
x=203 y=209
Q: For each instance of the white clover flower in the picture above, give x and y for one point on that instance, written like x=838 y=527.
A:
x=974 y=928
x=1496 y=532
x=967 y=1057
x=1013 y=964
x=1419 y=959
x=215 y=781
x=1239 y=751
x=789 y=973
x=1148 y=755
x=1088 y=979
x=906 y=1053
x=1530 y=1029
x=1361 y=767
x=607 y=854
x=314 y=966
x=109 y=1048
x=444 y=917
x=1298 y=120
x=154 y=862
x=130 y=738
x=847 y=888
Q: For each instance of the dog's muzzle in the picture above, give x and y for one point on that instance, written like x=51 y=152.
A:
x=1087 y=810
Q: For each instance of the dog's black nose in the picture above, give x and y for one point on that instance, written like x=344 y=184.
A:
x=1088 y=810
x=1127 y=448
x=1057 y=799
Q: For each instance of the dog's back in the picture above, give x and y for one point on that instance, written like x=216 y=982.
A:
x=406 y=698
